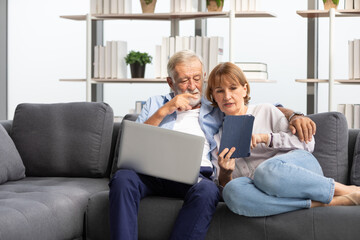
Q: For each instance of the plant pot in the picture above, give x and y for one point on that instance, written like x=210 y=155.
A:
x=330 y=4
x=148 y=8
x=213 y=7
x=137 y=71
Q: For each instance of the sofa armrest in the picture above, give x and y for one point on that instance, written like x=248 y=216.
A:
x=6 y=124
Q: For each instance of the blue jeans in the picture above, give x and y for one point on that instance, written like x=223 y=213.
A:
x=127 y=188
x=281 y=184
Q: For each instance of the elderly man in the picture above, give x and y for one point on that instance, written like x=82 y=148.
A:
x=183 y=110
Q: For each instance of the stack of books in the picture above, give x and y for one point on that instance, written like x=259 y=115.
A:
x=354 y=59
x=352 y=114
x=352 y=4
x=178 y=6
x=109 y=60
x=254 y=70
x=211 y=50
x=110 y=6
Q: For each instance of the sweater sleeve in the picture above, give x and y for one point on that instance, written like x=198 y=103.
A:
x=282 y=136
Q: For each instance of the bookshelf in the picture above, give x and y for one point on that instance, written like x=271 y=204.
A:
x=174 y=18
x=331 y=14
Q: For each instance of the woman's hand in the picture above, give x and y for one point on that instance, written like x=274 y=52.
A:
x=258 y=138
x=227 y=166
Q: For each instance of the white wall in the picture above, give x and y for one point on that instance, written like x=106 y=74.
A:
x=44 y=48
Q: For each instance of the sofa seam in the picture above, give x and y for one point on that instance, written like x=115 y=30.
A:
x=101 y=142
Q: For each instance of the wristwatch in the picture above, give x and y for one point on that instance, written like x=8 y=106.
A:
x=295 y=113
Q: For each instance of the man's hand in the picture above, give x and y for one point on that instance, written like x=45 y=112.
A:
x=179 y=102
x=258 y=138
x=303 y=126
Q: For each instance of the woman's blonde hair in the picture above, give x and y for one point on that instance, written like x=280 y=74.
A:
x=230 y=72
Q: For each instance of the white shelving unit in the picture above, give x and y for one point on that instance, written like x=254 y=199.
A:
x=173 y=17
x=331 y=14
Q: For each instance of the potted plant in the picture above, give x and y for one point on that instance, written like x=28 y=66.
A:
x=148 y=6
x=330 y=4
x=137 y=61
x=214 y=5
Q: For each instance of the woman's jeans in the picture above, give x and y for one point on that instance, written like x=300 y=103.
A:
x=281 y=184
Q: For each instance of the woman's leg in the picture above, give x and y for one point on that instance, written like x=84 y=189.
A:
x=244 y=198
x=296 y=174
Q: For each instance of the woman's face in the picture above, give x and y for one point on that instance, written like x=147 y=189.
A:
x=230 y=97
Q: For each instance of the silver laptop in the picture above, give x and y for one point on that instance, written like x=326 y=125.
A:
x=160 y=152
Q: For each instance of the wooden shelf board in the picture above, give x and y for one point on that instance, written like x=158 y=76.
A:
x=261 y=81
x=144 y=80
x=72 y=80
x=325 y=13
x=341 y=81
x=169 y=16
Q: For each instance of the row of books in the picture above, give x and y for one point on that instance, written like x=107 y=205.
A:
x=352 y=4
x=352 y=114
x=110 y=6
x=109 y=60
x=354 y=59
x=254 y=70
x=209 y=48
x=177 y=6
x=245 y=5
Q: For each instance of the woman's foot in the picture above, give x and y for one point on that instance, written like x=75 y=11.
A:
x=350 y=199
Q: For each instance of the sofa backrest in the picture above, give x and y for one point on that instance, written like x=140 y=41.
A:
x=65 y=139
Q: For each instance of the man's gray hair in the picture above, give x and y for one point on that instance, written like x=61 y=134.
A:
x=180 y=57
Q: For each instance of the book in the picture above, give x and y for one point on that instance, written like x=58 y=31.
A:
x=233 y=5
x=120 y=5
x=244 y=5
x=121 y=52
x=356 y=4
x=108 y=59
x=186 y=43
x=171 y=46
x=138 y=106
x=252 y=66
x=127 y=6
x=252 y=5
x=341 y=108
x=351 y=59
x=356 y=121
x=99 y=7
x=205 y=54
x=349 y=114
x=192 y=43
x=216 y=51
x=182 y=5
x=198 y=45
x=349 y=4
x=164 y=56
x=237 y=131
x=256 y=75
x=114 y=59
x=93 y=7
x=357 y=58
x=178 y=43
x=96 y=62
x=238 y=5
x=114 y=6
x=106 y=9
x=101 y=62
x=157 y=61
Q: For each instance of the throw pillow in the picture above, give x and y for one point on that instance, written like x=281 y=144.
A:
x=331 y=144
x=64 y=139
x=11 y=165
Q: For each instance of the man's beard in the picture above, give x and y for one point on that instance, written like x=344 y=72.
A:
x=193 y=102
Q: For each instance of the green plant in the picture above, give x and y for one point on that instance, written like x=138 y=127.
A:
x=148 y=1
x=336 y=2
x=138 y=57
x=219 y=2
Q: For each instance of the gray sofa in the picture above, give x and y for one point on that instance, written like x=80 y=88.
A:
x=66 y=152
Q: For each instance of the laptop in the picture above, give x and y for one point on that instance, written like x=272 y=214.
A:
x=160 y=152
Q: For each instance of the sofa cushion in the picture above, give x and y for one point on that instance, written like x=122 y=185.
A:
x=331 y=144
x=65 y=139
x=46 y=208
x=11 y=165
x=355 y=170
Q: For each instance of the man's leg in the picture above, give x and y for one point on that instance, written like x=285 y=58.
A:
x=127 y=188
x=195 y=215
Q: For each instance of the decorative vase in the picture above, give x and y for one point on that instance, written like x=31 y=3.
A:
x=330 y=4
x=148 y=8
x=213 y=7
x=137 y=71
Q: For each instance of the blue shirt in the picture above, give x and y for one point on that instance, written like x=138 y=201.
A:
x=210 y=119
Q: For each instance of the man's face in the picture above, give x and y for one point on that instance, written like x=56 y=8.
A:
x=189 y=79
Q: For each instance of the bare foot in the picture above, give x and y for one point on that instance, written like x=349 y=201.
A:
x=341 y=189
x=346 y=200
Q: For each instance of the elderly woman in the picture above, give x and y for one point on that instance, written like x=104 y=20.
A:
x=281 y=174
